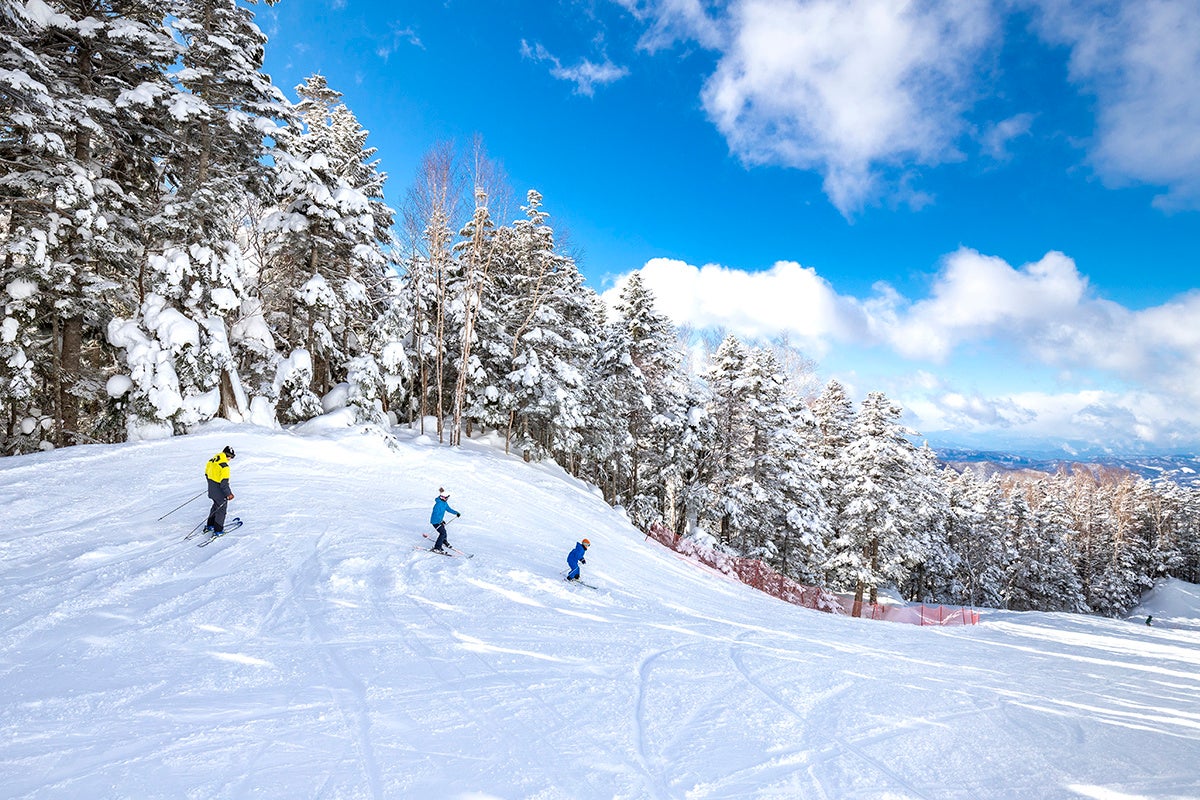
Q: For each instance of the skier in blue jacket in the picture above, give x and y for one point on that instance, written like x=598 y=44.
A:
x=438 y=519
x=575 y=558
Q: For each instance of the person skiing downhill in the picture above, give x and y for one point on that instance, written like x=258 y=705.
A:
x=575 y=558
x=441 y=506
x=216 y=471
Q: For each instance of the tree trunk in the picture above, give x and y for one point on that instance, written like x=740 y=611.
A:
x=230 y=408
x=70 y=359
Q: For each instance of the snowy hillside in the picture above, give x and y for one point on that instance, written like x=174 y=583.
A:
x=315 y=653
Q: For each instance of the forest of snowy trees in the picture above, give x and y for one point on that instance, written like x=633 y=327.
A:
x=179 y=241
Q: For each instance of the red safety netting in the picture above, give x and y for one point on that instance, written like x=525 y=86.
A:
x=751 y=572
x=757 y=574
x=914 y=615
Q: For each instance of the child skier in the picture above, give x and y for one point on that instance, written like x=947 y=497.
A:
x=438 y=519
x=575 y=558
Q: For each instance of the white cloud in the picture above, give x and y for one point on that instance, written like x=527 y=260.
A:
x=586 y=75
x=1141 y=60
x=996 y=139
x=864 y=91
x=1118 y=420
x=847 y=88
x=671 y=21
x=1042 y=318
x=978 y=297
x=786 y=299
x=398 y=37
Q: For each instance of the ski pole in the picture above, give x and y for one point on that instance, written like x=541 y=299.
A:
x=176 y=508
x=195 y=530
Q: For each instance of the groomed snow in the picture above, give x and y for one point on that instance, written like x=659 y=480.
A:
x=314 y=653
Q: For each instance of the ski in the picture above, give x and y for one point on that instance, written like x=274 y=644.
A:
x=232 y=525
x=452 y=547
x=435 y=552
x=581 y=583
x=200 y=528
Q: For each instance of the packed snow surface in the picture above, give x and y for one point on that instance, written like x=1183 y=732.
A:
x=320 y=652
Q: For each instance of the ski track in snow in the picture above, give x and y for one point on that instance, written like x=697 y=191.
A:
x=313 y=653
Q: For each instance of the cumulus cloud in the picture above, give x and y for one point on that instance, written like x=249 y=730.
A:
x=846 y=88
x=866 y=91
x=951 y=410
x=1141 y=60
x=1116 y=420
x=1115 y=364
x=586 y=75
x=978 y=297
x=787 y=299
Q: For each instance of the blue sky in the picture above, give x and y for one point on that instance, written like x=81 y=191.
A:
x=990 y=211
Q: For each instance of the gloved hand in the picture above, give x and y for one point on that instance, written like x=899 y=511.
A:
x=229 y=498
x=583 y=561
x=458 y=515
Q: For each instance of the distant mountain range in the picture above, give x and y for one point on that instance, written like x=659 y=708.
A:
x=1182 y=469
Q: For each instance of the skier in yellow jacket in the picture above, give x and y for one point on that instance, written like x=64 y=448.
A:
x=217 y=473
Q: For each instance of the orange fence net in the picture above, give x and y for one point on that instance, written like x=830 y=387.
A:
x=757 y=574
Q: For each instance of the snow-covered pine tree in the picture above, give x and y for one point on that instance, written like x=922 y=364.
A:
x=1187 y=528
x=615 y=388
x=1092 y=529
x=566 y=334
x=729 y=407
x=930 y=562
x=877 y=537
x=690 y=496
x=555 y=321
x=653 y=409
x=331 y=251
x=833 y=415
x=1125 y=546
x=476 y=251
x=220 y=111
x=976 y=534
x=478 y=303
x=1166 y=503
x=386 y=340
x=764 y=509
x=1040 y=572
x=801 y=536
x=78 y=148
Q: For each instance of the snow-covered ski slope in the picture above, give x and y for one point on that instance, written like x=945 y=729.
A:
x=315 y=654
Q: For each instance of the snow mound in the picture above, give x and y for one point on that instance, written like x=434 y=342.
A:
x=1170 y=601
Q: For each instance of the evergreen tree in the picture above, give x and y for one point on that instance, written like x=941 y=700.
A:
x=698 y=463
x=476 y=251
x=930 y=561
x=876 y=539
x=833 y=416
x=330 y=255
x=78 y=148
x=729 y=409
x=1126 y=546
x=651 y=399
x=554 y=320
x=616 y=388
x=801 y=536
x=219 y=111
x=976 y=536
x=1041 y=575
